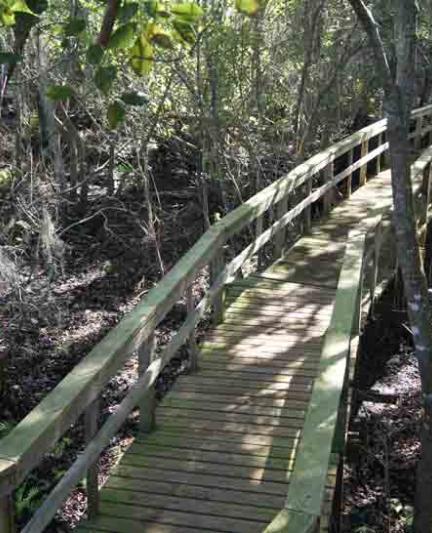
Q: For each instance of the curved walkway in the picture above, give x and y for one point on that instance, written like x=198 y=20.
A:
x=221 y=456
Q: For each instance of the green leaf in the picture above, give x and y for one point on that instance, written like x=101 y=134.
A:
x=94 y=54
x=8 y=58
x=59 y=93
x=7 y=16
x=159 y=36
x=134 y=98
x=104 y=78
x=123 y=37
x=127 y=12
x=142 y=56
x=188 y=11
x=153 y=8
x=185 y=31
x=74 y=27
x=116 y=114
x=248 y=7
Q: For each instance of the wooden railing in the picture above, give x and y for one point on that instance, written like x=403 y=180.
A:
x=23 y=448
x=369 y=261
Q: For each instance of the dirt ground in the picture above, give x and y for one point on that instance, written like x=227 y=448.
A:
x=379 y=480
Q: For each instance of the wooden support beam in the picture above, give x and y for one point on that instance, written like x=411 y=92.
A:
x=418 y=133
x=7 y=524
x=147 y=404
x=349 y=179
x=216 y=267
x=363 y=153
x=192 y=343
x=259 y=226
x=375 y=264
x=378 y=160
x=280 y=238
x=308 y=210
x=328 y=175
x=91 y=416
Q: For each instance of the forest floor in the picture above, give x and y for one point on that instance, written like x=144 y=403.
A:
x=379 y=483
x=50 y=324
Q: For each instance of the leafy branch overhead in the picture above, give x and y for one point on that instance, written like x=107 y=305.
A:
x=132 y=33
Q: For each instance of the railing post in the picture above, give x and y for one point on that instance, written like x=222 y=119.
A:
x=7 y=522
x=193 y=348
x=349 y=178
x=363 y=153
x=418 y=130
x=282 y=208
x=378 y=159
x=91 y=416
x=328 y=173
x=148 y=403
x=308 y=210
x=259 y=225
x=427 y=182
x=375 y=264
x=216 y=267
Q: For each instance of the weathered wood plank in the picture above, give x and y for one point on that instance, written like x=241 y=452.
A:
x=200 y=404
x=229 y=427
x=242 y=400
x=124 y=525
x=256 y=370
x=178 y=518
x=184 y=414
x=214 y=494
x=202 y=479
x=204 y=456
x=188 y=505
x=211 y=439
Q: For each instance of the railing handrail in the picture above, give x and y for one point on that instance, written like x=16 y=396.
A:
x=22 y=449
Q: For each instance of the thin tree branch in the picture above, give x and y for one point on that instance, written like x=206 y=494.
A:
x=371 y=28
x=108 y=22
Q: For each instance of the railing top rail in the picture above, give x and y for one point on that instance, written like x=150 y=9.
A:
x=23 y=448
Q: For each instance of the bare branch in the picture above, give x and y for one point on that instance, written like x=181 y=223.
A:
x=371 y=28
x=108 y=22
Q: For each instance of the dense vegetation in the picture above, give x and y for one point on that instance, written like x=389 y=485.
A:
x=128 y=127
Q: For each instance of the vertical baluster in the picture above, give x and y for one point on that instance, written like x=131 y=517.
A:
x=428 y=191
x=7 y=523
x=91 y=416
x=378 y=159
x=363 y=170
x=282 y=208
x=328 y=197
x=216 y=267
x=349 y=178
x=375 y=264
x=418 y=135
x=259 y=226
x=193 y=347
x=308 y=210
x=147 y=405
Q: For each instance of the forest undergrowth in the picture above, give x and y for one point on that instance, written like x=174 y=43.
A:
x=384 y=447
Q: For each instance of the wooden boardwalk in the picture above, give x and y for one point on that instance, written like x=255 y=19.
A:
x=252 y=440
x=221 y=456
